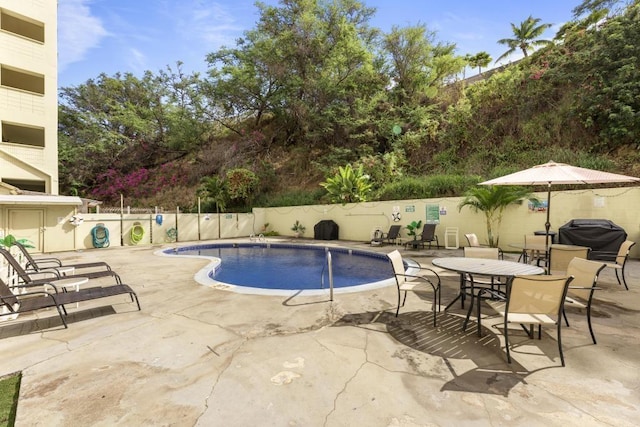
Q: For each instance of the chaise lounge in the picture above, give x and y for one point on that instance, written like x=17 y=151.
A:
x=13 y=304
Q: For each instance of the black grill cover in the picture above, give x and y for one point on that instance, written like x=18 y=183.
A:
x=601 y=235
x=325 y=230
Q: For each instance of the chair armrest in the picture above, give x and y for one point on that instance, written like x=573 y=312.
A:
x=430 y=270
x=55 y=261
x=423 y=278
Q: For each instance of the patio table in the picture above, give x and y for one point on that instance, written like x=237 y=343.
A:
x=481 y=267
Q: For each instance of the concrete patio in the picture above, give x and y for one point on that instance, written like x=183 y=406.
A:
x=201 y=356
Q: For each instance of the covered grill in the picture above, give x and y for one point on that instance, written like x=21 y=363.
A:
x=601 y=235
x=326 y=230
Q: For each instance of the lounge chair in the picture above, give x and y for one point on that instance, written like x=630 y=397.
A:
x=580 y=292
x=391 y=237
x=39 y=265
x=30 y=279
x=428 y=236
x=13 y=304
x=531 y=300
x=414 y=283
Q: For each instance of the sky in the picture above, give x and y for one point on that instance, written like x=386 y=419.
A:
x=111 y=36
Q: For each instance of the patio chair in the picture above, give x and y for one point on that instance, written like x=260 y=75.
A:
x=391 y=237
x=39 y=265
x=476 y=282
x=46 y=277
x=534 y=255
x=13 y=304
x=580 y=292
x=428 y=236
x=561 y=255
x=532 y=300
x=621 y=260
x=414 y=283
x=472 y=240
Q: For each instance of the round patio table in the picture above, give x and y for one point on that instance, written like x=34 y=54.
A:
x=482 y=267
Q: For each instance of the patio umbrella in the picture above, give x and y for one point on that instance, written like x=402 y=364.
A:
x=557 y=173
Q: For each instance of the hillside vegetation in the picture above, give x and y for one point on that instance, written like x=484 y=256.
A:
x=313 y=87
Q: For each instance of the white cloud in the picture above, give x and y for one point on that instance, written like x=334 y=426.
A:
x=137 y=60
x=208 y=21
x=78 y=31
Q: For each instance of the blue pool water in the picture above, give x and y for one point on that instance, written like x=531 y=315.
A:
x=291 y=267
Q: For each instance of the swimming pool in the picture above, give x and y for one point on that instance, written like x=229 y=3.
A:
x=279 y=269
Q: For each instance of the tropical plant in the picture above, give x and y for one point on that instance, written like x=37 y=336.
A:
x=348 y=185
x=298 y=228
x=492 y=201
x=214 y=191
x=9 y=240
x=413 y=227
x=526 y=37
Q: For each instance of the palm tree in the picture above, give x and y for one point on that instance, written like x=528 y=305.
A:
x=480 y=59
x=493 y=201
x=525 y=37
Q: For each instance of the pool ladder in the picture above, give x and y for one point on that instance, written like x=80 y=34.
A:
x=329 y=267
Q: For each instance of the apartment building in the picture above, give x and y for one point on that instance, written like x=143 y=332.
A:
x=28 y=95
x=30 y=205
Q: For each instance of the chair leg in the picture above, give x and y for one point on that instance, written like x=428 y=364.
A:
x=560 y=343
x=623 y=278
x=434 y=309
x=593 y=336
x=506 y=340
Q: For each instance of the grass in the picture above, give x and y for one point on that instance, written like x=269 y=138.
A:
x=9 y=391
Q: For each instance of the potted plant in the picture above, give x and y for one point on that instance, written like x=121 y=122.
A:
x=298 y=228
x=413 y=228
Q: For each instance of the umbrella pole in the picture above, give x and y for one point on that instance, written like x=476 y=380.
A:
x=547 y=225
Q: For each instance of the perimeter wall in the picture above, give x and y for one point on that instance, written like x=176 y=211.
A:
x=356 y=222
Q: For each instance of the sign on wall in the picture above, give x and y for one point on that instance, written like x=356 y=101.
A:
x=433 y=214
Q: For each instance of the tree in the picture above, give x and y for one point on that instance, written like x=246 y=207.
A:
x=418 y=65
x=480 y=59
x=241 y=184
x=348 y=185
x=492 y=201
x=526 y=37
x=214 y=190
x=308 y=63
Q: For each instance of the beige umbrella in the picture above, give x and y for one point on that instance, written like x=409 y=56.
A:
x=558 y=173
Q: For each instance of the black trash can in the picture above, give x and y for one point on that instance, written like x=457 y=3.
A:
x=326 y=230
x=601 y=235
x=552 y=235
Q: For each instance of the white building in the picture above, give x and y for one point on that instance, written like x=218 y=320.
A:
x=28 y=95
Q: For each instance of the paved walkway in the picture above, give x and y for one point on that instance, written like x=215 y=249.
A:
x=207 y=357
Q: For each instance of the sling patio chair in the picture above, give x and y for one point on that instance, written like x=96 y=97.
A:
x=414 y=283
x=534 y=255
x=12 y=304
x=621 y=260
x=580 y=292
x=48 y=276
x=531 y=300
x=38 y=265
x=472 y=241
x=561 y=255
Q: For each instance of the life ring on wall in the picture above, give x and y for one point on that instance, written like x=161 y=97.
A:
x=137 y=233
x=395 y=214
x=76 y=220
x=100 y=236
